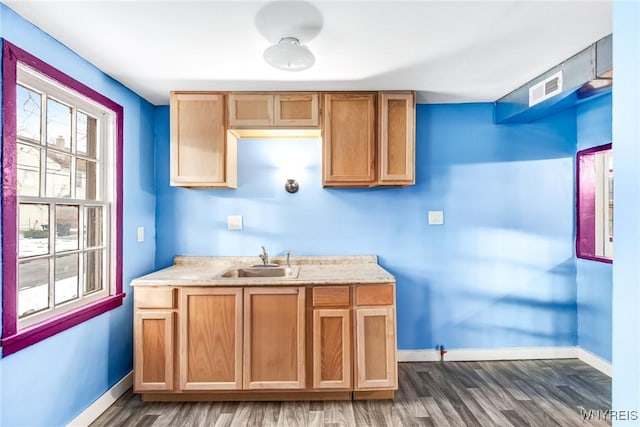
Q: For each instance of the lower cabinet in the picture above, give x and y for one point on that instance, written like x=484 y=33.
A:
x=153 y=352
x=332 y=348
x=338 y=340
x=274 y=338
x=210 y=338
x=375 y=363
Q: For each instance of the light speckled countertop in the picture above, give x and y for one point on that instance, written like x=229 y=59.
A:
x=205 y=271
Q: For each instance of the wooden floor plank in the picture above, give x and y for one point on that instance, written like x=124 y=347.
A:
x=535 y=393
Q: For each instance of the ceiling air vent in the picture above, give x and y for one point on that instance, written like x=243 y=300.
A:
x=545 y=89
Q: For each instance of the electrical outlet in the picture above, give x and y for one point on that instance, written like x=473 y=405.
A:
x=140 y=235
x=436 y=217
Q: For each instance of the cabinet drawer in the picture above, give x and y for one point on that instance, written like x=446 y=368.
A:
x=331 y=296
x=374 y=294
x=153 y=297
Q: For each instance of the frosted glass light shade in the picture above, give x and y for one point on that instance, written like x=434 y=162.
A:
x=289 y=55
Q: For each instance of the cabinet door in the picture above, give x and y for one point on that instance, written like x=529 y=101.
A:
x=397 y=138
x=348 y=144
x=153 y=350
x=331 y=348
x=211 y=338
x=200 y=154
x=250 y=110
x=294 y=110
x=274 y=335
x=376 y=365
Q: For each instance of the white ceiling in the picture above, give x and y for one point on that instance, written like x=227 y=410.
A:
x=449 y=51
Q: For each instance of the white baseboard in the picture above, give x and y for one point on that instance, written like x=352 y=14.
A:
x=96 y=409
x=470 y=354
x=595 y=361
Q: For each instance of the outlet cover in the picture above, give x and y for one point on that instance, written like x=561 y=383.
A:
x=234 y=222
x=436 y=217
x=140 y=234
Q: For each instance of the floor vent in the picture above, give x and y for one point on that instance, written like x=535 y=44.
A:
x=545 y=89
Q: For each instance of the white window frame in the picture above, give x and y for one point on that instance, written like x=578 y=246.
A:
x=106 y=157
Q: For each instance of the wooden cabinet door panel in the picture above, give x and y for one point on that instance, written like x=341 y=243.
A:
x=199 y=153
x=348 y=144
x=153 y=350
x=376 y=363
x=211 y=339
x=250 y=110
x=296 y=110
x=397 y=138
x=274 y=336
x=332 y=348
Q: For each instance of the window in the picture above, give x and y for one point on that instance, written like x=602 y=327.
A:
x=62 y=157
x=594 y=187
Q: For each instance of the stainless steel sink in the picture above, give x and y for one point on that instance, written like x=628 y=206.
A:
x=262 y=271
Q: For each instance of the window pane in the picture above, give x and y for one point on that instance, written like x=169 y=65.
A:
x=86 y=131
x=86 y=180
x=94 y=226
x=66 y=287
x=58 y=125
x=33 y=226
x=93 y=279
x=58 y=175
x=28 y=114
x=66 y=227
x=33 y=286
x=28 y=170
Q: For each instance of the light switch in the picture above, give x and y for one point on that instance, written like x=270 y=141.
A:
x=140 y=234
x=234 y=222
x=436 y=217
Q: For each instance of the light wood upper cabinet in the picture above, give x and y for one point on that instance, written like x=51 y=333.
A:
x=250 y=110
x=274 y=338
x=268 y=110
x=210 y=338
x=396 y=140
x=202 y=154
x=295 y=110
x=349 y=140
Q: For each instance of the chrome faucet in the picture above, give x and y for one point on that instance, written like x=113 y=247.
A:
x=288 y=255
x=264 y=256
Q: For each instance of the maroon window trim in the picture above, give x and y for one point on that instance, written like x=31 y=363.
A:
x=585 y=204
x=12 y=339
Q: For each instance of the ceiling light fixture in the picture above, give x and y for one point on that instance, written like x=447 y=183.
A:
x=289 y=55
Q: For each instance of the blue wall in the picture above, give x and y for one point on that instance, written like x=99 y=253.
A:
x=499 y=273
x=594 y=279
x=53 y=381
x=626 y=154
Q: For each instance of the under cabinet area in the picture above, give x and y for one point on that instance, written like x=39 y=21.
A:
x=264 y=342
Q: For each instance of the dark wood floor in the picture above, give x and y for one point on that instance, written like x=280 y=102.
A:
x=512 y=393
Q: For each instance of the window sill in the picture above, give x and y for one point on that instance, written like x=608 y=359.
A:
x=41 y=331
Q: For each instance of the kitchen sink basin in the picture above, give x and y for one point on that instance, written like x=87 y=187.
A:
x=262 y=271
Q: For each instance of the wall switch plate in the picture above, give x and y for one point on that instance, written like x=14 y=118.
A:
x=140 y=235
x=234 y=222
x=436 y=217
